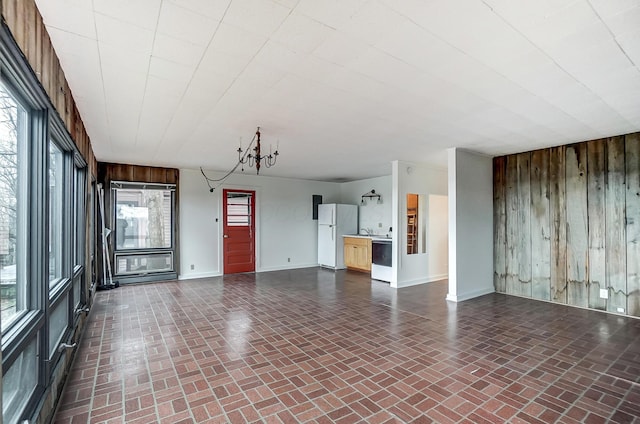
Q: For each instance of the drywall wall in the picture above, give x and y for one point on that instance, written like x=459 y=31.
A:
x=438 y=237
x=371 y=215
x=286 y=234
x=470 y=225
x=414 y=178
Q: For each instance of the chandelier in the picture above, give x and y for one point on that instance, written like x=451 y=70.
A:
x=256 y=158
x=246 y=157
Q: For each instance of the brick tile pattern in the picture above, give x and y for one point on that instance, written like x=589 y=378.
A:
x=314 y=346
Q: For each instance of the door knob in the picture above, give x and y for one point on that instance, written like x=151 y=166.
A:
x=225 y=236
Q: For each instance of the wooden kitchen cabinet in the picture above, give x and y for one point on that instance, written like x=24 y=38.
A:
x=357 y=253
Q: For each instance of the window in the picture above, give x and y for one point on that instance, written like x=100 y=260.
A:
x=143 y=218
x=136 y=263
x=42 y=230
x=58 y=323
x=239 y=209
x=19 y=382
x=79 y=217
x=14 y=205
x=56 y=217
x=79 y=226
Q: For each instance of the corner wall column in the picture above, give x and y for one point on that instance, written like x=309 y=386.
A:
x=470 y=225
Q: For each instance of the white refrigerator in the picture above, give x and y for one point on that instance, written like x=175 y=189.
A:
x=334 y=220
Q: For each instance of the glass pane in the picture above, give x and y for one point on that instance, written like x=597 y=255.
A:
x=144 y=263
x=19 y=382
x=58 y=323
x=143 y=218
x=13 y=207
x=77 y=287
x=238 y=209
x=78 y=217
x=56 y=175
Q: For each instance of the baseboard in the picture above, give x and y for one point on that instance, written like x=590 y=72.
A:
x=416 y=281
x=437 y=277
x=193 y=276
x=469 y=295
x=199 y=275
x=284 y=268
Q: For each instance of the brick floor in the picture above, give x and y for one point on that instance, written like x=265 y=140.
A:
x=316 y=346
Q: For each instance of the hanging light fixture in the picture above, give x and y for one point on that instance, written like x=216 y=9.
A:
x=246 y=157
x=371 y=195
x=256 y=158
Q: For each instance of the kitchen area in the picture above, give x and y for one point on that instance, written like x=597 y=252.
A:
x=395 y=233
x=342 y=245
x=369 y=253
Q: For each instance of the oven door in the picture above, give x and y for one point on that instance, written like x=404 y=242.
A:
x=381 y=252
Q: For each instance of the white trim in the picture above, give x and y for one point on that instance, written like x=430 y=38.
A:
x=470 y=295
x=415 y=282
x=192 y=276
x=284 y=268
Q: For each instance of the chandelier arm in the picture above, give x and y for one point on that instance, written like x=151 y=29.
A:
x=241 y=160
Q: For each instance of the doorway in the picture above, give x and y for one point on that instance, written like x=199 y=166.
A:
x=238 y=244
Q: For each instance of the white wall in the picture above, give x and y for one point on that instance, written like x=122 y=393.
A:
x=372 y=215
x=284 y=226
x=438 y=237
x=415 y=178
x=470 y=225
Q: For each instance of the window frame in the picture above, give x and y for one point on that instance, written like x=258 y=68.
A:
x=16 y=74
x=44 y=126
x=63 y=230
x=24 y=202
x=126 y=277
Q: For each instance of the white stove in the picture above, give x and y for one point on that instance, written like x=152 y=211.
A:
x=381 y=260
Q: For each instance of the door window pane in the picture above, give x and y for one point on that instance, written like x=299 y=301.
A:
x=238 y=209
x=19 y=382
x=13 y=207
x=143 y=218
x=56 y=193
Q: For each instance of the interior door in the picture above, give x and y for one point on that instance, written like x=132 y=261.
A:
x=239 y=231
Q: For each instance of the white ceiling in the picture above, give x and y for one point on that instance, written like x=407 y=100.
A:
x=345 y=86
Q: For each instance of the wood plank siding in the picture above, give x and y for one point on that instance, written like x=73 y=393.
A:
x=28 y=31
x=499 y=222
x=567 y=224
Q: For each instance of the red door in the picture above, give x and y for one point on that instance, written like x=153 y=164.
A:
x=239 y=231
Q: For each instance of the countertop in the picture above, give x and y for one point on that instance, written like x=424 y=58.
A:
x=372 y=237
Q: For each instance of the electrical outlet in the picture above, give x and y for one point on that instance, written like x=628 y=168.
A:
x=193 y=267
x=621 y=310
x=604 y=294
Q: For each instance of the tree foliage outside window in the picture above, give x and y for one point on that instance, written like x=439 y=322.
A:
x=12 y=201
x=143 y=219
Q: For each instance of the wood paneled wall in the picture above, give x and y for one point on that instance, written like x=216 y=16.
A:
x=108 y=172
x=567 y=224
x=26 y=26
